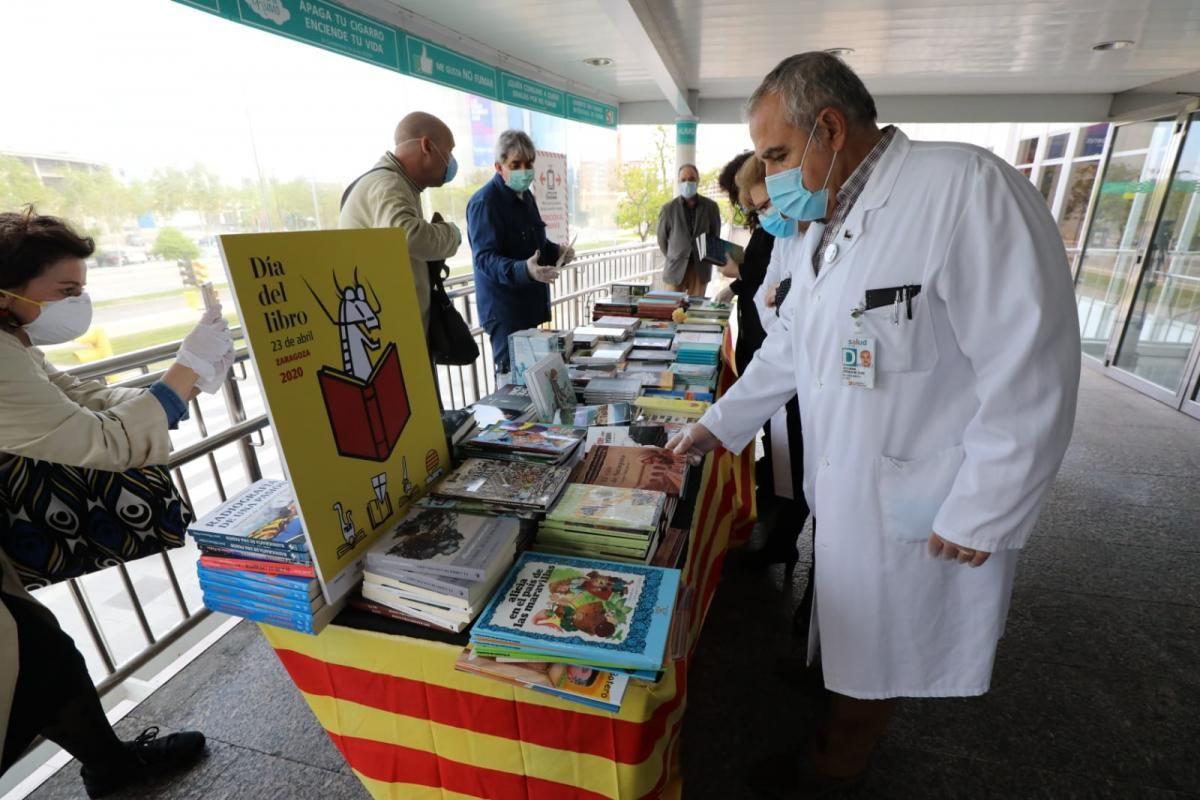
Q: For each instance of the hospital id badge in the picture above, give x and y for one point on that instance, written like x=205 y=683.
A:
x=858 y=362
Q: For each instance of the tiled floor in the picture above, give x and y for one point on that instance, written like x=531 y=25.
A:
x=1096 y=691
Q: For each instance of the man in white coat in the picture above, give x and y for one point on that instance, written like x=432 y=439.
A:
x=927 y=461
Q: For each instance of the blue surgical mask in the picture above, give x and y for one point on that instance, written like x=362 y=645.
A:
x=519 y=179
x=776 y=224
x=451 y=166
x=788 y=193
x=687 y=189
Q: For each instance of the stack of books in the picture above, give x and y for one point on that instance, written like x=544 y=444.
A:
x=550 y=387
x=698 y=327
x=697 y=348
x=509 y=402
x=528 y=347
x=708 y=310
x=610 y=354
x=490 y=486
x=580 y=684
x=610 y=305
x=607 y=414
x=658 y=329
x=627 y=324
x=438 y=567
x=255 y=562
x=650 y=374
x=615 y=523
x=650 y=468
x=525 y=441
x=628 y=292
x=561 y=609
x=612 y=390
x=669 y=410
x=659 y=308
x=459 y=425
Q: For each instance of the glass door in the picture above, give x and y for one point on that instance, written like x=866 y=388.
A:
x=1119 y=230
x=1161 y=331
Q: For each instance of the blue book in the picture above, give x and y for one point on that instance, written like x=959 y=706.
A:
x=279 y=617
x=264 y=518
x=598 y=612
x=286 y=585
x=284 y=603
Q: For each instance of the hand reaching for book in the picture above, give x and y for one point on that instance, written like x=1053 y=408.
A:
x=694 y=441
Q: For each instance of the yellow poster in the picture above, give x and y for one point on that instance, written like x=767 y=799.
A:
x=334 y=330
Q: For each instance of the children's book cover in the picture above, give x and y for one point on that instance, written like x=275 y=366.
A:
x=616 y=613
x=609 y=507
x=530 y=436
x=550 y=387
x=446 y=543
x=334 y=329
x=653 y=468
x=582 y=684
x=508 y=482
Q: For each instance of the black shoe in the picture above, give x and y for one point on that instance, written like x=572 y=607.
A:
x=771 y=554
x=149 y=757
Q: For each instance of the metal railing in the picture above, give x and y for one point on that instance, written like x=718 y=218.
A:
x=571 y=299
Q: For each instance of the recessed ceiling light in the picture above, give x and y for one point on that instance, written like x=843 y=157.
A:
x=599 y=61
x=840 y=52
x=1115 y=44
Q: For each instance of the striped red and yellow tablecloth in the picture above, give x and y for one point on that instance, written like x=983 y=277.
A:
x=412 y=727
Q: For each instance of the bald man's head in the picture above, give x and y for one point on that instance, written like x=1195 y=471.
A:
x=423 y=147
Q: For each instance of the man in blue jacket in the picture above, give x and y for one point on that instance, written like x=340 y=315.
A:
x=514 y=261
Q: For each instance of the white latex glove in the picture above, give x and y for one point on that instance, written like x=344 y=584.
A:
x=538 y=272
x=206 y=348
x=694 y=441
x=566 y=256
x=220 y=374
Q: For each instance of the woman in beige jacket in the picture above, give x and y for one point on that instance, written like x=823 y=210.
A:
x=45 y=688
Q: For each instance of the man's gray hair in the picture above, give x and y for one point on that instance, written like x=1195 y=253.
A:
x=809 y=82
x=515 y=141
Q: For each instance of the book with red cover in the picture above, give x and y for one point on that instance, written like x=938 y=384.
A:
x=265 y=567
x=367 y=417
x=651 y=468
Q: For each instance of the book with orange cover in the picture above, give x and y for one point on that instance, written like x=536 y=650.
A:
x=253 y=565
x=652 y=468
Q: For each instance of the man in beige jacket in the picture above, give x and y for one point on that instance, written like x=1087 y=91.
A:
x=389 y=195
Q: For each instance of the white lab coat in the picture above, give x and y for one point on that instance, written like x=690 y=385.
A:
x=971 y=413
x=785 y=254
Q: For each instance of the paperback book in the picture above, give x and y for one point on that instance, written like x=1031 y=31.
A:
x=609 y=613
x=505 y=483
x=580 y=684
x=446 y=543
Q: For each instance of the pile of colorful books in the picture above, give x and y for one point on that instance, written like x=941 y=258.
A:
x=593 y=613
x=490 y=486
x=660 y=305
x=526 y=441
x=624 y=323
x=438 y=567
x=609 y=522
x=612 y=390
x=575 y=682
x=697 y=348
x=255 y=563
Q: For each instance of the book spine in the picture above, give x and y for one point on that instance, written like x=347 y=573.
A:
x=242 y=583
x=220 y=551
x=287 y=604
x=263 y=615
x=375 y=421
x=264 y=567
x=432 y=584
x=298 y=555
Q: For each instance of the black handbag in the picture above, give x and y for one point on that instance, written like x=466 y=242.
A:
x=450 y=339
x=59 y=522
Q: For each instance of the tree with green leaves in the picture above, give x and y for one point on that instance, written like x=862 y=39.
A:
x=19 y=185
x=645 y=195
x=172 y=244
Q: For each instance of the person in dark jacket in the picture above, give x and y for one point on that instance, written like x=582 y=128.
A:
x=514 y=261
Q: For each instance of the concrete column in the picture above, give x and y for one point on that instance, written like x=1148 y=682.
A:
x=685 y=145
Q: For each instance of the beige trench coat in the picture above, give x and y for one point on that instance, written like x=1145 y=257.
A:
x=48 y=415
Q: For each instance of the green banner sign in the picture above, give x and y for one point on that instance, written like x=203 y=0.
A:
x=525 y=93
x=325 y=25
x=581 y=109
x=427 y=60
x=331 y=27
